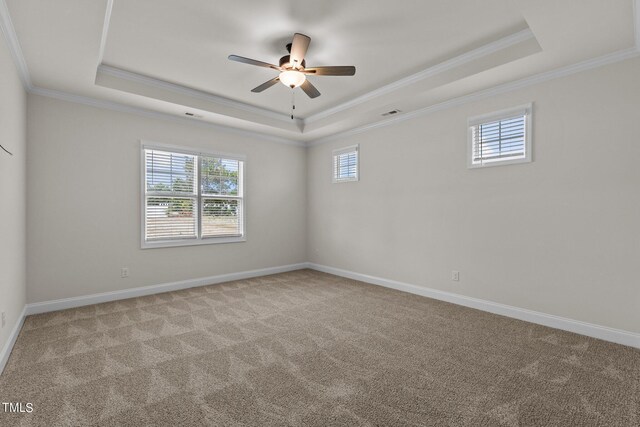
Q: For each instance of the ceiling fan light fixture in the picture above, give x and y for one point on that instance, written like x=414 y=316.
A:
x=292 y=78
x=293 y=68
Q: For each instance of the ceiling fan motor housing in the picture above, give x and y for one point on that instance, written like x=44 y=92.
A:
x=285 y=62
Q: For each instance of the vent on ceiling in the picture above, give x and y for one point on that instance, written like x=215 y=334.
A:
x=391 y=113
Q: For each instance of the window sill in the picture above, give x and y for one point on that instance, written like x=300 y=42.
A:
x=490 y=164
x=341 y=180
x=192 y=242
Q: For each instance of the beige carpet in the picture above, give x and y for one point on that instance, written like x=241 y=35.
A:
x=307 y=348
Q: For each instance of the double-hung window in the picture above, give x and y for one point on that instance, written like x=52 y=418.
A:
x=500 y=138
x=191 y=198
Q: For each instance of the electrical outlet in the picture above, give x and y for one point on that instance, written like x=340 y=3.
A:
x=124 y=272
x=455 y=276
x=4 y=319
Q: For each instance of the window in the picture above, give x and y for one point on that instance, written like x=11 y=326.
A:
x=500 y=138
x=345 y=164
x=191 y=198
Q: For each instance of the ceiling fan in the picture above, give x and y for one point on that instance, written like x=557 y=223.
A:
x=292 y=67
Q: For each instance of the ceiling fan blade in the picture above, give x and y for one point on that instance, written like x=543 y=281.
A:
x=266 y=85
x=252 y=62
x=310 y=89
x=299 y=47
x=348 y=70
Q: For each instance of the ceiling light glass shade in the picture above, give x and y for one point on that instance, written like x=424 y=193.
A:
x=292 y=78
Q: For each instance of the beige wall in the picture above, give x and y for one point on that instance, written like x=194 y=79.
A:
x=560 y=235
x=84 y=202
x=12 y=192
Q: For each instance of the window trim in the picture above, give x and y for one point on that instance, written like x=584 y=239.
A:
x=338 y=151
x=176 y=242
x=526 y=110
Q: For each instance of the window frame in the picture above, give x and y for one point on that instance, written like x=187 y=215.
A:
x=526 y=110
x=344 y=150
x=198 y=240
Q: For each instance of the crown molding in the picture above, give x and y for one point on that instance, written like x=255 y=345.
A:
x=195 y=93
x=464 y=58
x=6 y=27
x=123 y=108
x=176 y=88
x=8 y=30
x=475 y=96
x=105 y=31
x=589 y=64
x=439 y=68
x=455 y=62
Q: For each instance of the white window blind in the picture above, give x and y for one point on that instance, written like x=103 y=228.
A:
x=345 y=164
x=191 y=198
x=221 y=201
x=171 y=199
x=500 y=138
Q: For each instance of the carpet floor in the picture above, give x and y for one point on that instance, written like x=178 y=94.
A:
x=308 y=348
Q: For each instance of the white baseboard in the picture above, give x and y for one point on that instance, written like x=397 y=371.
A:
x=596 y=331
x=6 y=351
x=62 y=304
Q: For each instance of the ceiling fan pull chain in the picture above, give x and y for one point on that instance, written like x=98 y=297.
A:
x=293 y=101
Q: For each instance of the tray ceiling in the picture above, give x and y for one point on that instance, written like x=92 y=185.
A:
x=171 y=57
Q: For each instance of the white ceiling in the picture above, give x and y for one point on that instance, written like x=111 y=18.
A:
x=171 y=57
x=189 y=44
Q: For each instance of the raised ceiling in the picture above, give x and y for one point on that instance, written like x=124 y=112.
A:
x=171 y=57
x=189 y=44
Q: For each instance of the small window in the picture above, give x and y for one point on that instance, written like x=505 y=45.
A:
x=191 y=198
x=500 y=138
x=345 y=164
